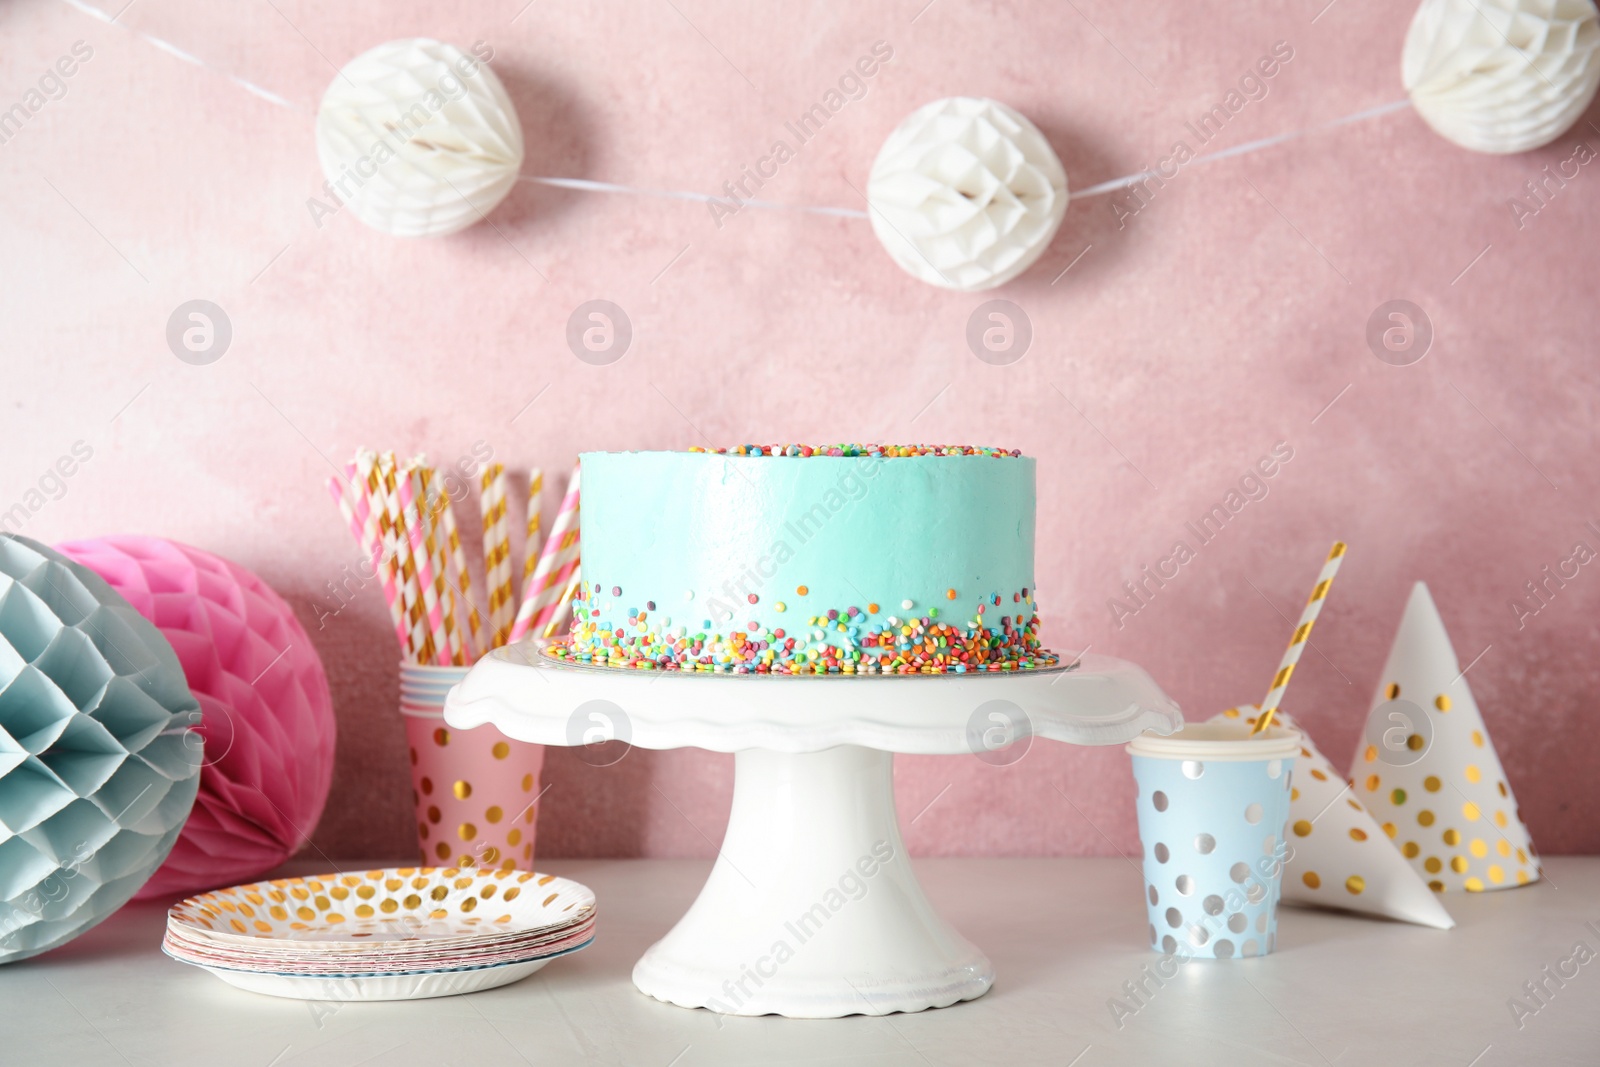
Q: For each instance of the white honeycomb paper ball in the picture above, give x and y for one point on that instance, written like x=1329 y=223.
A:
x=966 y=193
x=1502 y=75
x=418 y=138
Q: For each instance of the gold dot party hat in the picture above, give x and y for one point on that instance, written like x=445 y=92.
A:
x=1427 y=770
x=1340 y=857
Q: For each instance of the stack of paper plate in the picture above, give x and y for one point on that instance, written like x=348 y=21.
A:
x=403 y=933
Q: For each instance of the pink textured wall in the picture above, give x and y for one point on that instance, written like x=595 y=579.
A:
x=1221 y=318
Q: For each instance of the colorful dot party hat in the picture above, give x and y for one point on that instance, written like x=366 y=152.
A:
x=1426 y=769
x=1340 y=856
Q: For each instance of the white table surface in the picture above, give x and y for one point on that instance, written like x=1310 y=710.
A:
x=1064 y=935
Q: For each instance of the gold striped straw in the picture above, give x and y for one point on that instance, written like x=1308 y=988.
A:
x=422 y=645
x=566 y=598
x=530 y=547
x=497 y=552
x=433 y=542
x=1297 y=643
x=473 y=640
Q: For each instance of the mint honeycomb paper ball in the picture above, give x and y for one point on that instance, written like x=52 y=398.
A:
x=266 y=712
x=98 y=765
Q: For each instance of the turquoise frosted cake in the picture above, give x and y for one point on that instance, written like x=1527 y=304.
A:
x=797 y=559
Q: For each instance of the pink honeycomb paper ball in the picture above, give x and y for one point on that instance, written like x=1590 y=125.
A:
x=267 y=716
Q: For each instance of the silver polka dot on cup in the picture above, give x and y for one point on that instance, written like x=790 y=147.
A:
x=1169 y=945
x=1174 y=918
x=1270 y=845
x=1185 y=885
x=1198 y=935
x=1162 y=855
x=1205 y=844
x=1193 y=768
x=1248 y=949
x=1237 y=923
x=1152 y=933
x=1261 y=923
x=1256 y=893
x=1159 y=800
x=1155 y=898
x=1223 y=949
x=1212 y=905
x=1253 y=813
x=1239 y=872
x=1274 y=768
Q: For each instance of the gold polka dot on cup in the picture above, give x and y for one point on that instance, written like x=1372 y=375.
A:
x=442 y=850
x=1442 y=702
x=433 y=813
x=527 y=783
x=466 y=831
x=500 y=750
x=462 y=789
x=1410 y=850
x=441 y=737
x=414 y=757
x=493 y=813
x=514 y=837
x=1311 y=879
x=427 y=786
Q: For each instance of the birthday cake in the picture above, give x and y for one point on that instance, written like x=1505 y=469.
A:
x=799 y=559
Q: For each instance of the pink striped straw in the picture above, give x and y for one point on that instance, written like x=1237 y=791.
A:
x=357 y=518
x=541 y=595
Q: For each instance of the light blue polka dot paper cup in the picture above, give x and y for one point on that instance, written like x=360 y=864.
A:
x=1213 y=801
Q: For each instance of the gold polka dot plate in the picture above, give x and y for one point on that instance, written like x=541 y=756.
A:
x=397 y=933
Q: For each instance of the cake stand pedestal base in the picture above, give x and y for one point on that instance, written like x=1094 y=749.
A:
x=813 y=909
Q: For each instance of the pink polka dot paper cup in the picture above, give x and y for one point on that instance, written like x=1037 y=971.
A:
x=1213 y=801
x=476 y=791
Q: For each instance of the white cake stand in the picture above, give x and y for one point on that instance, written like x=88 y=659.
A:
x=812 y=909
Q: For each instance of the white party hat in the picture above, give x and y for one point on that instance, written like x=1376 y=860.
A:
x=1340 y=857
x=1426 y=768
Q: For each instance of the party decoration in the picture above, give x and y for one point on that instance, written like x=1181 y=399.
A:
x=98 y=766
x=267 y=717
x=1502 y=75
x=1340 y=857
x=1428 y=771
x=418 y=138
x=966 y=194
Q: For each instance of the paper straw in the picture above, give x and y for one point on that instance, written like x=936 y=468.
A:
x=356 y=516
x=461 y=580
x=422 y=644
x=561 y=605
x=530 y=547
x=1297 y=643
x=433 y=541
x=411 y=531
x=497 y=553
x=556 y=564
